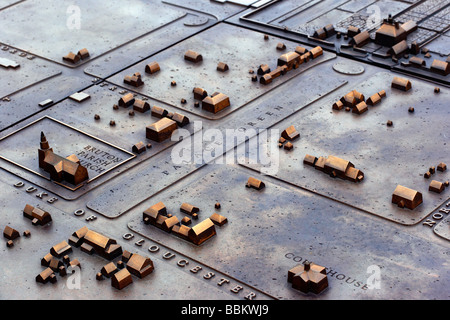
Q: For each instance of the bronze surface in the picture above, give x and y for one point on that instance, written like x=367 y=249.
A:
x=206 y=227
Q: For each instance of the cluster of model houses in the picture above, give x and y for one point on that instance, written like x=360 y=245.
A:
x=287 y=62
x=158 y=216
x=355 y=101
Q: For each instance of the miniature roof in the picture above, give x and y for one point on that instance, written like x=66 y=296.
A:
x=97 y=239
x=162 y=124
x=61 y=164
x=338 y=164
x=405 y=193
x=290 y=56
x=390 y=30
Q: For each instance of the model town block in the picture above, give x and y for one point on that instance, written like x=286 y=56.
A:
x=365 y=186
x=61 y=169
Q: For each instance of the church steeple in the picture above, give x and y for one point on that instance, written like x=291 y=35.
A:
x=44 y=143
x=61 y=169
x=45 y=147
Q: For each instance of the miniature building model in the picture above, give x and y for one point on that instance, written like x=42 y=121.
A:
x=374 y=100
x=338 y=105
x=161 y=130
x=401 y=84
x=157 y=215
x=141 y=106
x=36 y=215
x=127 y=100
x=360 y=108
x=200 y=93
x=335 y=167
x=7 y=63
x=46 y=276
x=135 y=80
x=352 y=98
x=202 y=232
x=83 y=53
x=390 y=33
x=126 y=255
x=72 y=57
x=288 y=146
x=139 y=147
x=216 y=102
x=152 y=213
x=121 y=279
x=180 y=119
x=139 y=266
x=324 y=32
x=152 y=68
x=10 y=233
x=436 y=186
x=281 y=46
x=320 y=34
x=399 y=49
x=290 y=59
x=61 y=169
x=409 y=26
x=193 y=56
x=109 y=270
x=255 y=183
x=61 y=249
x=263 y=69
x=79 y=96
x=287 y=62
x=189 y=209
x=405 y=197
x=308 y=277
x=218 y=219
x=440 y=67
x=441 y=167
x=360 y=39
x=96 y=242
x=316 y=52
x=352 y=31
x=55 y=264
x=186 y=221
x=290 y=134
x=222 y=67
x=301 y=50
x=159 y=112
x=181 y=231
x=355 y=100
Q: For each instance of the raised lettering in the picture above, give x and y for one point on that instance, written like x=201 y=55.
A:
x=182 y=263
x=196 y=269
x=79 y=212
x=19 y=184
x=42 y=194
x=128 y=236
x=30 y=189
x=168 y=255
x=222 y=281
x=209 y=275
x=236 y=289
x=140 y=242
x=52 y=200
x=429 y=223
x=250 y=296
